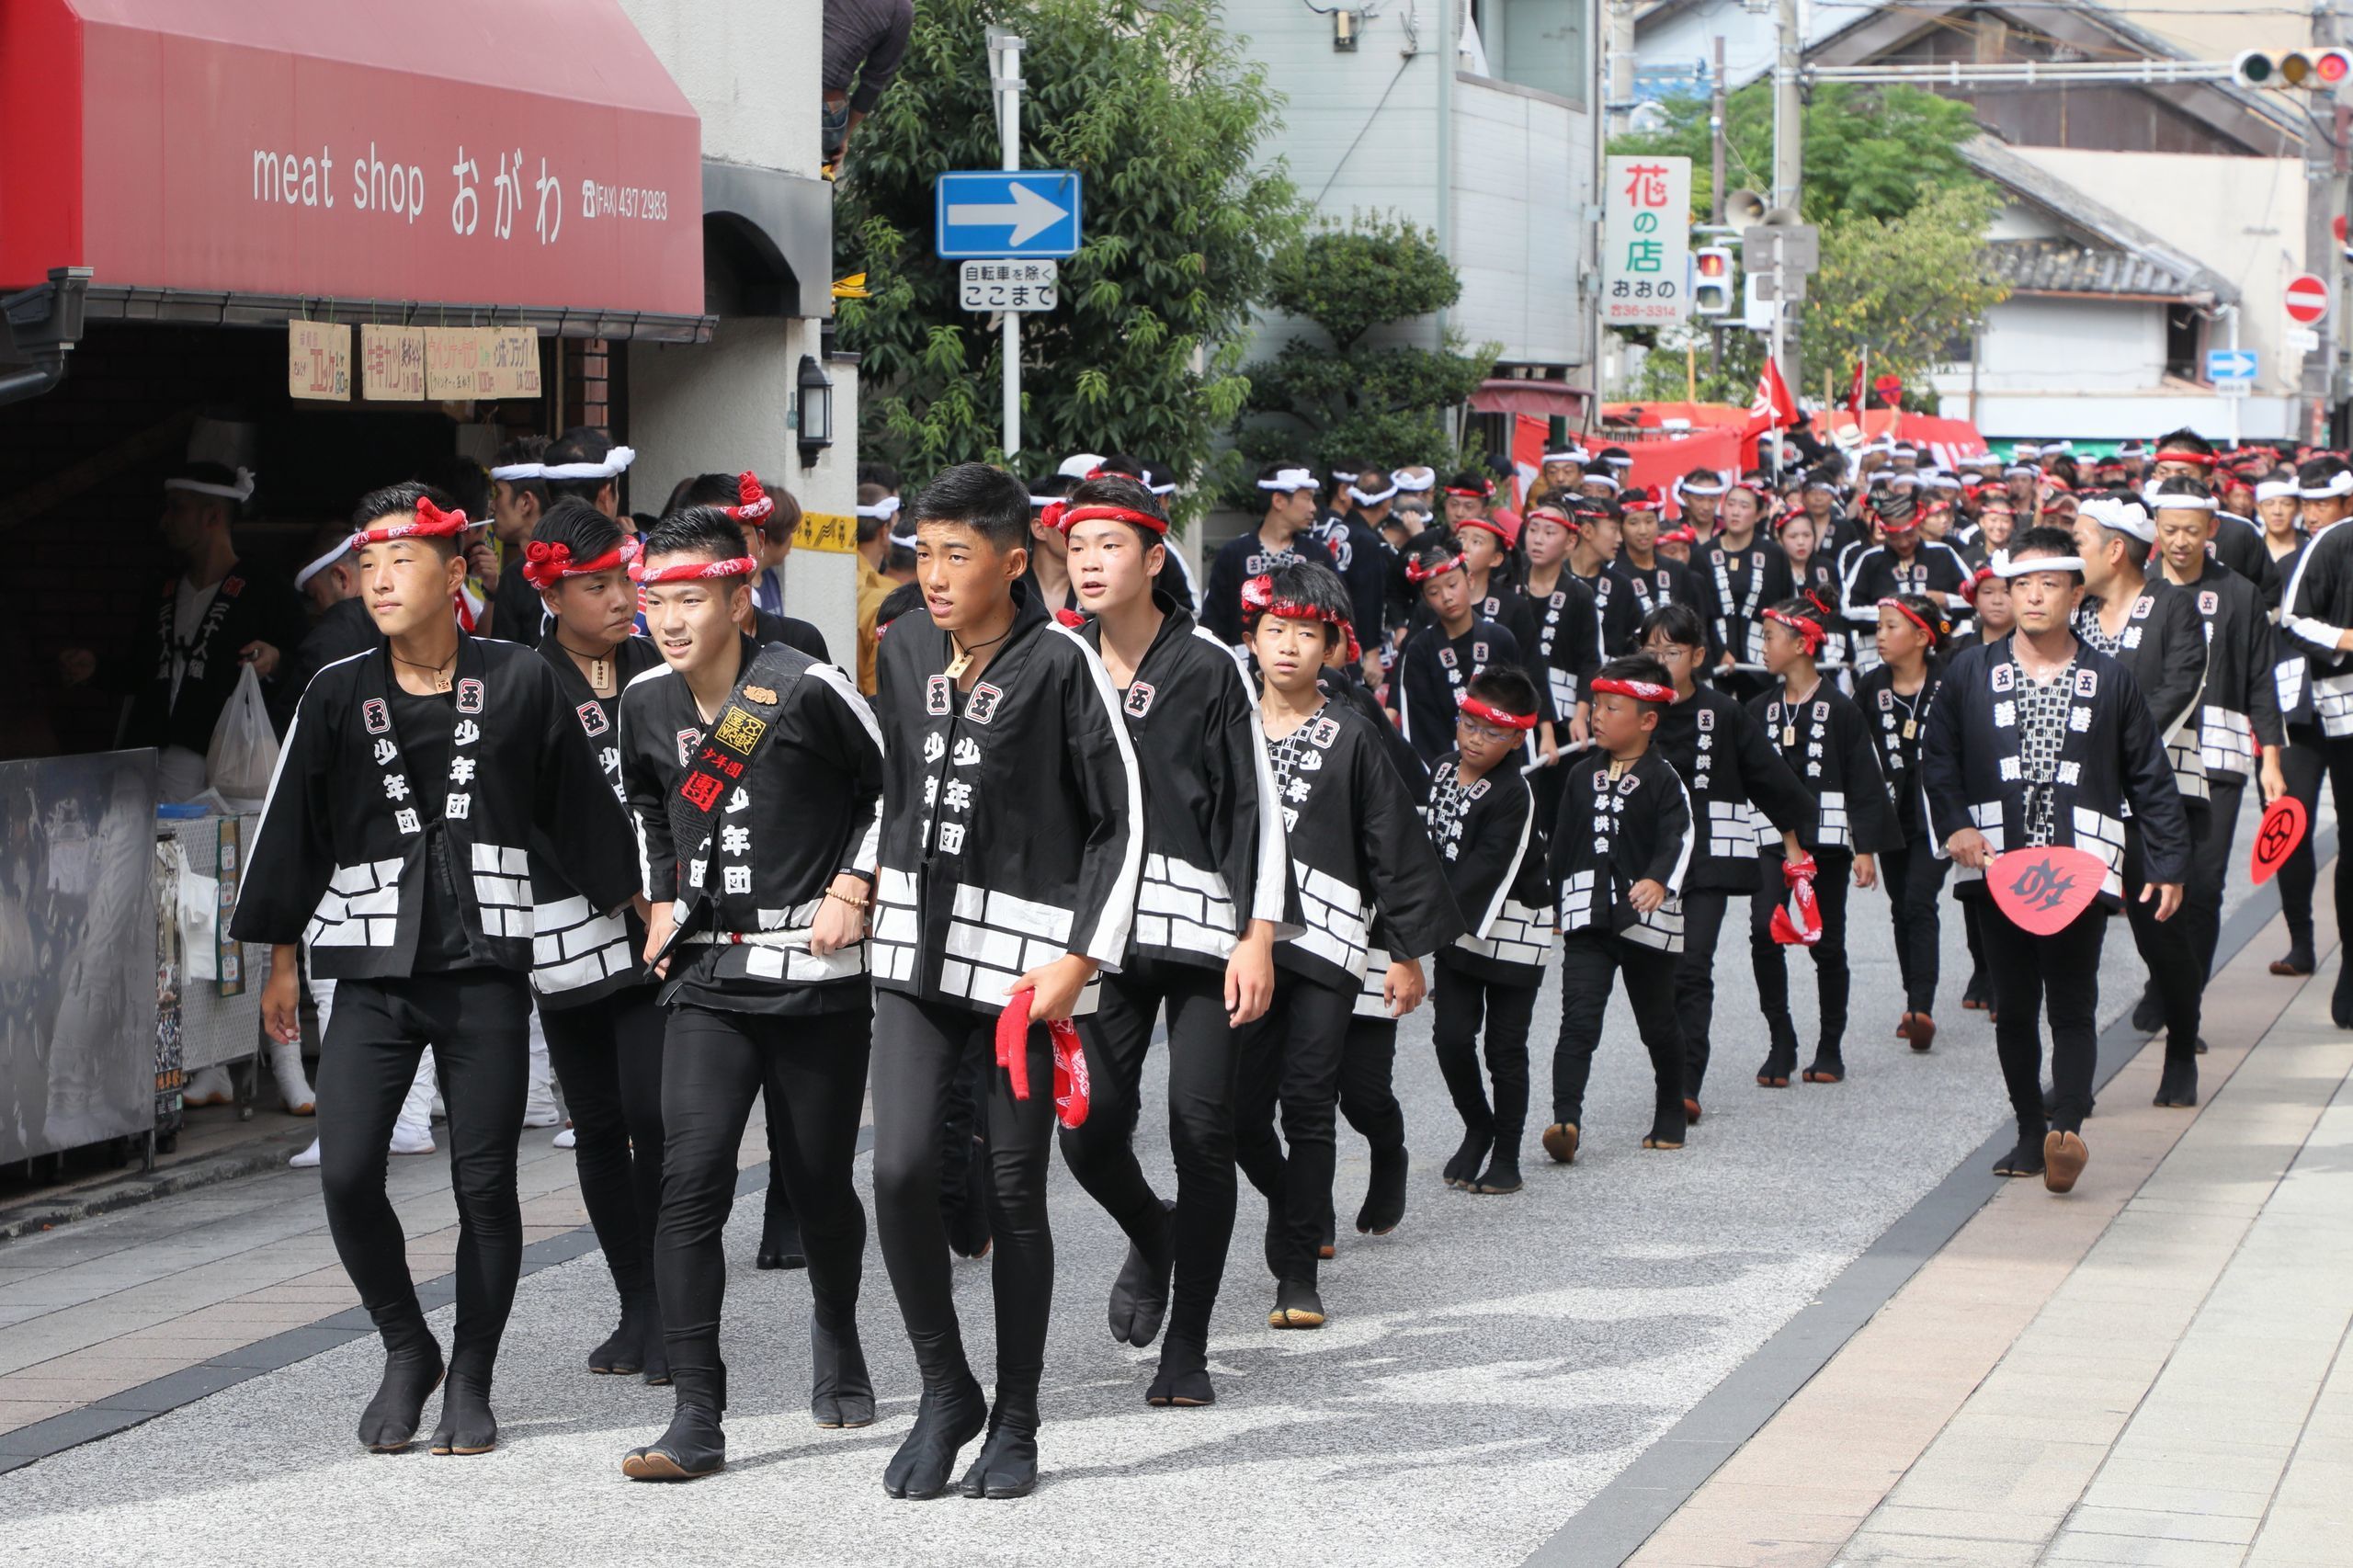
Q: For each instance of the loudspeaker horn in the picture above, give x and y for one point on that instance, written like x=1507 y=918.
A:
x=1744 y=209
x=1782 y=218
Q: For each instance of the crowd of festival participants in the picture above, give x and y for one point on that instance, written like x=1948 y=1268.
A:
x=1401 y=741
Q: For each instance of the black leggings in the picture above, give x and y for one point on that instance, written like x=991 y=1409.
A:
x=1915 y=876
x=2209 y=869
x=478 y=1023
x=2305 y=762
x=607 y=1056
x=1833 y=870
x=919 y=1048
x=958 y=1148
x=1100 y=1151
x=1367 y=1084
x=2169 y=948
x=1463 y=1002
x=2026 y=971
x=1590 y=961
x=812 y=1070
x=1293 y=1057
x=1695 y=981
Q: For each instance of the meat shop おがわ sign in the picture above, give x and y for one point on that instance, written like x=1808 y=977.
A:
x=1646 y=242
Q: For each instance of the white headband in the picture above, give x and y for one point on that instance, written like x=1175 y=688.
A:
x=888 y=507
x=2175 y=504
x=1374 y=499
x=242 y=489
x=2273 y=489
x=1292 y=480
x=519 y=470
x=1036 y=502
x=1625 y=462
x=1415 y=481
x=342 y=548
x=1699 y=487
x=2017 y=469
x=2339 y=484
x=1078 y=465
x=1167 y=489
x=616 y=463
x=1608 y=479
x=2006 y=568
x=1576 y=455
x=2124 y=517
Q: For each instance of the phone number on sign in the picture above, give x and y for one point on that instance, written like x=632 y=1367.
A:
x=1623 y=311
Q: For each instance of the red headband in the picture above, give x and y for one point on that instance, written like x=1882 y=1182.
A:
x=1489 y=524
x=1637 y=501
x=1417 y=573
x=1469 y=495
x=752 y=503
x=2175 y=455
x=1900 y=607
x=1553 y=515
x=1679 y=536
x=1058 y=517
x=430 y=522
x=1976 y=579
x=1475 y=708
x=1810 y=633
x=692 y=571
x=1640 y=690
x=1888 y=526
x=545 y=564
x=1258 y=593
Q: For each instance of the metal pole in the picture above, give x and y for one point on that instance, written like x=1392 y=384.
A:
x=2233 y=401
x=1789 y=161
x=1449 y=49
x=1008 y=129
x=1716 y=190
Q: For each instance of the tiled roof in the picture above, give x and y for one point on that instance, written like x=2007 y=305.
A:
x=2063 y=267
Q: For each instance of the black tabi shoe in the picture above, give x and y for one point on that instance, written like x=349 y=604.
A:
x=2149 y=1012
x=1183 y=1380
x=410 y=1374
x=1385 y=1194
x=2179 y=1085
x=1560 y=1142
x=2051 y=1103
x=2063 y=1158
x=1469 y=1158
x=1668 y=1129
x=2340 y=1005
x=1007 y=1465
x=1920 y=1029
x=1501 y=1176
x=1827 y=1067
x=2296 y=963
x=947 y=1418
x=840 y=1393
x=780 y=1243
x=1780 y=1066
x=1978 y=994
x=2202 y=1045
x=1296 y=1306
x=1140 y=1295
x=623 y=1351
x=693 y=1447
x=2026 y=1160
x=1324 y=1249
x=467 y=1426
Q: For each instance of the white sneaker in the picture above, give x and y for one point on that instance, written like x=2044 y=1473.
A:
x=211 y=1087
x=293 y=1084
x=308 y=1159
x=412 y=1140
x=440 y=1111
x=566 y=1139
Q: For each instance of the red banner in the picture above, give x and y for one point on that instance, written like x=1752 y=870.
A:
x=532 y=151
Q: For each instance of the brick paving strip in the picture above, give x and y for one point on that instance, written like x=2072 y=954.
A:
x=2145 y=1371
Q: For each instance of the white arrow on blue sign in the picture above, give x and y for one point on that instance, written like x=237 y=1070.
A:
x=1008 y=214
x=2230 y=364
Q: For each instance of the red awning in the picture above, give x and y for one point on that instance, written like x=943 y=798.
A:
x=525 y=154
x=1545 y=400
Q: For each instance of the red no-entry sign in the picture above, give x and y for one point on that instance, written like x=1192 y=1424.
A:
x=2306 y=299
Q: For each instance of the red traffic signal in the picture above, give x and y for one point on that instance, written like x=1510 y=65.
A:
x=2315 y=69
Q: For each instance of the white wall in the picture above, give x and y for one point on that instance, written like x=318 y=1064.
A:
x=1522 y=162
x=750 y=67
x=2008 y=416
x=2072 y=345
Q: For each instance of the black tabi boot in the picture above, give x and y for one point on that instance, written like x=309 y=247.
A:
x=1183 y=1379
x=1669 y=1119
x=1781 y=1064
x=1385 y=1194
x=694 y=1445
x=951 y=1414
x=780 y=1238
x=467 y=1425
x=624 y=1349
x=1297 y=1305
x=1463 y=1169
x=2340 y=1005
x=2149 y=1012
x=2026 y=1160
x=1140 y=1295
x=1007 y=1465
x=2179 y=1085
x=1827 y=1067
x=413 y=1369
x=840 y=1392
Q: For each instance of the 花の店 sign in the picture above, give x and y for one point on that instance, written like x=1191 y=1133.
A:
x=1645 y=241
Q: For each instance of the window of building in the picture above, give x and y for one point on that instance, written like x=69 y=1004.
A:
x=1535 y=43
x=2183 y=330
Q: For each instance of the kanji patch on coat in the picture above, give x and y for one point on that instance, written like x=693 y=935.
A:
x=2004 y=678
x=935 y=696
x=981 y=707
x=1139 y=702
x=1323 y=733
x=739 y=732
x=469 y=695
x=376 y=716
x=687 y=741
x=1706 y=717
x=2086 y=683
x=592 y=718
x=2208 y=600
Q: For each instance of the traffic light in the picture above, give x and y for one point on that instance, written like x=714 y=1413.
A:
x=1712 y=282
x=2315 y=69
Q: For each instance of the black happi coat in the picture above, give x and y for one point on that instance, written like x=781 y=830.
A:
x=2239 y=710
x=1615 y=606
x=1667 y=582
x=344 y=629
x=1738 y=587
x=1614 y=832
x=1827 y=746
x=1238 y=561
x=1738 y=785
x=579 y=954
x=1567 y=650
x=1901 y=723
x=1819 y=578
x=807 y=809
x=2164 y=645
x=1486 y=835
x=2238 y=544
x=1362 y=558
x=248 y=607
x=1358 y=849
x=1013 y=821
x=340 y=859
x=1213 y=856
x=1433 y=672
x=1876 y=574
x=2291 y=671
x=2110 y=764
x=2315 y=612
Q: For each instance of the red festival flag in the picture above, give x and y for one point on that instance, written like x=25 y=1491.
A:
x=1772 y=408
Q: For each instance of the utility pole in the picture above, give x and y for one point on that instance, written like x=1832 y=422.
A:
x=1004 y=79
x=1789 y=161
x=1716 y=187
x=1622 y=65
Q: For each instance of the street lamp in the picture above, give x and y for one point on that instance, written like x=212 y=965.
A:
x=816 y=410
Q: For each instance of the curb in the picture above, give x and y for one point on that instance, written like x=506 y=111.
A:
x=264 y=1152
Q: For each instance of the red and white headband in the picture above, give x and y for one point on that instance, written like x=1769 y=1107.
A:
x=546 y=565
x=1640 y=690
x=241 y=489
x=1810 y=633
x=429 y=522
x=1068 y=517
x=692 y=571
x=1908 y=613
x=2177 y=455
x=1258 y=595
x=752 y=503
x=1488 y=714
x=1417 y=573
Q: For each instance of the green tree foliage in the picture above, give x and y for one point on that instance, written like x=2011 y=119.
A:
x=1153 y=103
x=1870 y=152
x=1344 y=400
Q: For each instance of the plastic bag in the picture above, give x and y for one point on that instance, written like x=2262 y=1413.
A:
x=244 y=748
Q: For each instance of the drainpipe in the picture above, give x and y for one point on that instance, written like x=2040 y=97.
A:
x=41 y=326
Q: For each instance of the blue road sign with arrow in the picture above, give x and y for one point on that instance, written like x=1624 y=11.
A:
x=2230 y=365
x=1010 y=214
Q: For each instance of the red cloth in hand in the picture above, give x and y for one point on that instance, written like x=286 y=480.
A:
x=1071 y=1087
